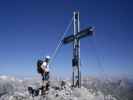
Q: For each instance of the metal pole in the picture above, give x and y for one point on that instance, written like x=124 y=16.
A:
x=76 y=52
x=74 y=45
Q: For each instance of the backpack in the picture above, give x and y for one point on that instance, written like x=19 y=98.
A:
x=39 y=69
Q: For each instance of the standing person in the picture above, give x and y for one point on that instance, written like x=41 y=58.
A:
x=43 y=69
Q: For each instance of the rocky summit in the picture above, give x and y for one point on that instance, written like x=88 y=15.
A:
x=12 y=88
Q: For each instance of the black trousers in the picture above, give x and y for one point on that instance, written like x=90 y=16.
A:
x=45 y=77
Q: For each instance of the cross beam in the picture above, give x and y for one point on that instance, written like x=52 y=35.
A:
x=79 y=35
x=75 y=39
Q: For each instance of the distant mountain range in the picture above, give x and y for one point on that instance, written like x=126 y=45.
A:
x=92 y=88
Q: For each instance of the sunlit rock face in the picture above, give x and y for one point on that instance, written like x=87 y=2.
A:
x=12 y=88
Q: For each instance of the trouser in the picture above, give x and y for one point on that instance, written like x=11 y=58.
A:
x=45 y=83
x=45 y=76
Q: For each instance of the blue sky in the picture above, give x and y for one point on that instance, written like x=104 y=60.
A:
x=30 y=29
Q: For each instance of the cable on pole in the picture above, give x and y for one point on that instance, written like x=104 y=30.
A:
x=100 y=65
x=60 y=42
x=105 y=75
